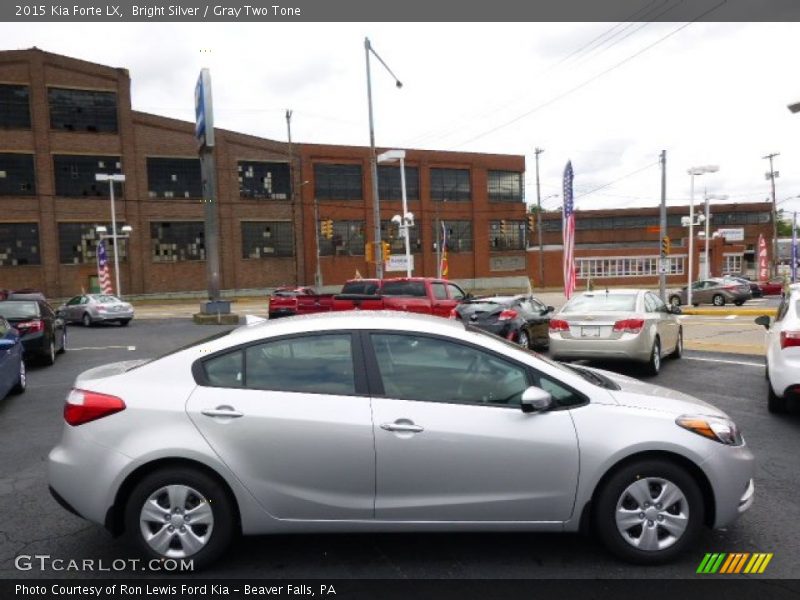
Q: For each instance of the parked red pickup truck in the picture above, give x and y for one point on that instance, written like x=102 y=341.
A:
x=409 y=294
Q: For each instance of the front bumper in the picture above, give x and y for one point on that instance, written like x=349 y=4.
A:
x=730 y=471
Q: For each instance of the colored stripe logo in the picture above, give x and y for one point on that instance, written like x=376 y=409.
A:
x=734 y=563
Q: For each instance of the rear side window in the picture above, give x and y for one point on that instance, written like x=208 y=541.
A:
x=360 y=287
x=404 y=288
x=11 y=309
x=226 y=370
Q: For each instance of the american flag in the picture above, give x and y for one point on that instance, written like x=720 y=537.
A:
x=444 y=268
x=569 y=233
x=103 y=274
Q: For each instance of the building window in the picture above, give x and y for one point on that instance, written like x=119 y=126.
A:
x=635 y=266
x=17 y=175
x=174 y=241
x=347 y=240
x=174 y=178
x=450 y=185
x=389 y=184
x=83 y=110
x=733 y=263
x=19 y=244
x=75 y=175
x=77 y=243
x=265 y=239
x=264 y=180
x=459 y=235
x=505 y=186
x=390 y=232
x=507 y=235
x=337 y=182
x=15 y=112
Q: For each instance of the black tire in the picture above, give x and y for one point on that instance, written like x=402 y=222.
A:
x=63 y=341
x=524 y=338
x=775 y=404
x=678 y=352
x=718 y=300
x=739 y=302
x=22 y=382
x=49 y=354
x=86 y=319
x=124 y=322
x=612 y=494
x=224 y=515
x=675 y=300
x=654 y=364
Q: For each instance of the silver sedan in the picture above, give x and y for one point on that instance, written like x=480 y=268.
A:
x=342 y=422
x=617 y=325
x=96 y=308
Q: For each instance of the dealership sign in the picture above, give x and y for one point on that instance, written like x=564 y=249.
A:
x=732 y=235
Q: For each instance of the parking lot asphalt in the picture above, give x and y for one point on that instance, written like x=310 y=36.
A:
x=32 y=523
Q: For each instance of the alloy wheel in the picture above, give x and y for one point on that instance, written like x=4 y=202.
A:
x=523 y=339
x=652 y=514
x=176 y=521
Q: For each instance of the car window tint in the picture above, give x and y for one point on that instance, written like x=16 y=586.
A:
x=563 y=395
x=403 y=288
x=74 y=301
x=439 y=291
x=360 y=287
x=456 y=293
x=15 y=309
x=783 y=308
x=315 y=364
x=225 y=370
x=416 y=367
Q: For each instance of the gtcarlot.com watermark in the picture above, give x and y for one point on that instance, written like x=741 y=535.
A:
x=46 y=562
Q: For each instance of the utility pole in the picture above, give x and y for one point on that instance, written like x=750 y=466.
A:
x=293 y=198
x=537 y=151
x=771 y=176
x=318 y=273
x=662 y=276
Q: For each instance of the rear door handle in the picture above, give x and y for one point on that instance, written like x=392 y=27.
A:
x=402 y=427
x=223 y=411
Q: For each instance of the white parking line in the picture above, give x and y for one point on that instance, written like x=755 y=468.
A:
x=129 y=348
x=727 y=362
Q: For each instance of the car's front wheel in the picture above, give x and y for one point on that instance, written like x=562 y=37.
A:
x=180 y=513
x=678 y=352
x=86 y=320
x=22 y=381
x=49 y=354
x=654 y=364
x=523 y=339
x=718 y=300
x=649 y=511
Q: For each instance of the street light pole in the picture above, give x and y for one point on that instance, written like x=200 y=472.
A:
x=692 y=172
x=111 y=179
x=404 y=217
x=373 y=161
x=537 y=151
x=708 y=222
x=771 y=176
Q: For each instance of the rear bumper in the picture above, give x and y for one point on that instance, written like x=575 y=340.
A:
x=628 y=347
x=35 y=343
x=281 y=312
x=113 y=316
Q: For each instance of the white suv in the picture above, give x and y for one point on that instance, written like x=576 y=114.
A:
x=783 y=351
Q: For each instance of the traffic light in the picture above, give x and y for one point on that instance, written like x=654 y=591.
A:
x=503 y=227
x=386 y=250
x=326 y=228
x=665 y=246
x=532 y=223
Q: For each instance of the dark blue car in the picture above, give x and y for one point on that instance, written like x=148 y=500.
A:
x=12 y=367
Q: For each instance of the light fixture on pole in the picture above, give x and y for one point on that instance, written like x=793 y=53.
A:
x=405 y=220
x=708 y=197
x=692 y=172
x=112 y=179
x=373 y=159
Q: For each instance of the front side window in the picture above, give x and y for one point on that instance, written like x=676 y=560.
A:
x=439 y=291
x=82 y=110
x=312 y=364
x=456 y=293
x=416 y=367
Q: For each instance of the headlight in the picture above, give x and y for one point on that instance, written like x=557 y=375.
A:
x=718 y=429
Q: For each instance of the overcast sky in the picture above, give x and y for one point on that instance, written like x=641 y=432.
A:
x=607 y=96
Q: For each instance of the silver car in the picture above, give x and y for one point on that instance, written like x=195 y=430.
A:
x=617 y=325
x=386 y=421
x=96 y=308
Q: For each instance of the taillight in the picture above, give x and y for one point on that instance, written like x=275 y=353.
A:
x=558 y=325
x=629 y=325
x=30 y=326
x=507 y=315
x=454 y=314
x=790 y=339
x=83 y=406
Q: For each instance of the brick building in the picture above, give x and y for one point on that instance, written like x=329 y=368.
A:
x=63 y=120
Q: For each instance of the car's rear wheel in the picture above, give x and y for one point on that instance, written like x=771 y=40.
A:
x=124 y=322
x=654 y=364
x=63 y=341
x=49 y=354
x=22 y=382
x=523 y=339
x=739 y=302
x=180 y=513
x=718 y=300
x=87 y=320
x=649 y=511
x=775 y=404
x=678 y=352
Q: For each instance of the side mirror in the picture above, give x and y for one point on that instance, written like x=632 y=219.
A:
x=535 y=399
x=763 y=320
x=549 y=309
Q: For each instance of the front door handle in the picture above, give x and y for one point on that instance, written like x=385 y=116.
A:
x=223 y=411
x=402 y=427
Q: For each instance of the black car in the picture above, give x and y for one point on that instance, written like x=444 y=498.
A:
x=43 y=333
x=755 y=289
x=522 y=319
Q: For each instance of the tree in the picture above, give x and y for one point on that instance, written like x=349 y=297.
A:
x=784 y=223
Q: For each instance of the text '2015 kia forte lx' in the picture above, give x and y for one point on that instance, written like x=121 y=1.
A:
x=389 y=422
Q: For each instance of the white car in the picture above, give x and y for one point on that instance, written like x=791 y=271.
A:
x=783 y=352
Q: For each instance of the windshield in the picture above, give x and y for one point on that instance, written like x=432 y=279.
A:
x=403 y=288
x=482 y=305
x=601 y=302
x=18 y=309
x=106 y=299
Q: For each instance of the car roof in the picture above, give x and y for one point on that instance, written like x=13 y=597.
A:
x=621 y=291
